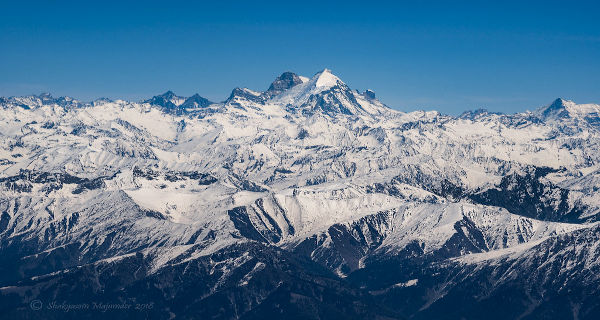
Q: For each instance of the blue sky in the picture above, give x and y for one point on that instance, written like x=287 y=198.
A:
x=447 y=56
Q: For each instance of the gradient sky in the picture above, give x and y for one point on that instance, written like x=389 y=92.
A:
x=448 y=56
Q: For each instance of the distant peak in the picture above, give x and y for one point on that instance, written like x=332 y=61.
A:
x=288 y=75
x=167 y=100
x=477 y=113
x=196 y=101
x=561 y=102
x=245 y=94
x=556 y=109
x=558 y=102
x=564 y=108
x=369 y=94
x=325 y=78
x=168 y=94
x=285 y=81
x=102 y=100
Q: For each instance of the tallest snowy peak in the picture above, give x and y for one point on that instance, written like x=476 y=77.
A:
x=325 y=79
x=325 y=93
x=298 y=94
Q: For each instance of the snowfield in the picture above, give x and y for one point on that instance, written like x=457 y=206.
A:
x=309 y=167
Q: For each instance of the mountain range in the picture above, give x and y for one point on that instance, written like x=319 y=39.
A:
x=309 y=200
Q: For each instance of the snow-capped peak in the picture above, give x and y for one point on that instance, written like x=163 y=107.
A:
x=325 y=93
x=34 y=101
x=300 y=93
x=562 y=108
x=326 y=79
x=167 y=100
x=244 y=94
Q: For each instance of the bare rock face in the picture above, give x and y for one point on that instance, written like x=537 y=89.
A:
x=285 y=81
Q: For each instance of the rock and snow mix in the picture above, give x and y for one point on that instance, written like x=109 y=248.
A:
x=309 y=166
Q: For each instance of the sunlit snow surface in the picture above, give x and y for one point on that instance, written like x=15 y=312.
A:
x=293 y=171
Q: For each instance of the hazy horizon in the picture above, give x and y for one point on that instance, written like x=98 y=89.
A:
x=507 y=57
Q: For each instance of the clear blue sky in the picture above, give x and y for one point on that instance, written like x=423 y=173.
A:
x=507 y=57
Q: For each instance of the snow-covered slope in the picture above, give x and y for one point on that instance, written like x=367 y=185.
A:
x=309 y=168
